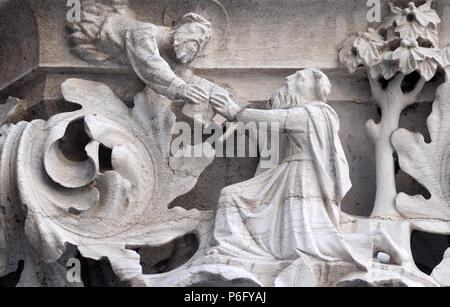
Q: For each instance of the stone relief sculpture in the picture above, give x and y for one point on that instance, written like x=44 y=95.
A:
x=99 y=180
x=160 y=56
x=399 y=58
x=285 y=227
x=427 y=163
x=299 y=200
x=71 y=199
x=102 y=209
x=406 y=42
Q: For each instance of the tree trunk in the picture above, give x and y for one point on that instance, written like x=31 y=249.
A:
x=392 y=101
x=385 y=168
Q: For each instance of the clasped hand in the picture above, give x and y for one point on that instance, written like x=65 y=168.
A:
x=225 y=106
x=195 y=94
x=222 y=103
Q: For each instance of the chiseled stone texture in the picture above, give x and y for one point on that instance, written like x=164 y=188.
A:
x=252 y=59
x=255 y=45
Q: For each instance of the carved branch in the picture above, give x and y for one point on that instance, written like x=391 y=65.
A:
x=373 y=50
x=412 y=96
x=373 y=131
x=392 y=101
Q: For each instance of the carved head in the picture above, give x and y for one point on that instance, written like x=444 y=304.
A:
x=300 y=88
x=191 y=34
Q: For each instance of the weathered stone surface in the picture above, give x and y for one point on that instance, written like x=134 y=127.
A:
x=89 y=109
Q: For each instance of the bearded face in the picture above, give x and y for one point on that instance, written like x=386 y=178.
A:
x=301 y=87
x=185 y=45
x=291 y=94
x=185 y=51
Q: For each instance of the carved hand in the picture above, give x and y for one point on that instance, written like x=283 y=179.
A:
x=225 y=106
x=195 y=94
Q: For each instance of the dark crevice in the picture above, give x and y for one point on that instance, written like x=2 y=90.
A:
x=217 y=281
x=394 y=45
x=379 y=112
x=396 y=163
x=74 y=141
x=414 y=119
x=411 y=17
x=165 y=258
x=12 y=279
x=383 y=82
x=129 y=103
x=205 y=195
x=359 y=283
x=48 y=108
x=408 y=185
x=425 y=43
x=105 y=158
x=94 y=273
x=74 y=211
x=428 y=249
x=410 y=82
x=99 y=273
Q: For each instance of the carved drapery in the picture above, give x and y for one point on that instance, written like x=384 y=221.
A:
x=101 y=178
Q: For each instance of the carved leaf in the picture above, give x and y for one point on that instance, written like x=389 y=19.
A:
x=349 y=56
x=419 y=22
x=386 y=68
x=394 y=19
x=411 y=57
x=426 y=15
x=431 y=34
x=409 y=30
x=407 y=57
x=104 y=209
x=429 y=164
x=427 y=68
x=431 y=60
x=367 y=44
x=441 y=273
x=445 y=57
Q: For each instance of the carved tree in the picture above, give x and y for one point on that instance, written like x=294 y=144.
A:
x=429 y=164
x=405 y=43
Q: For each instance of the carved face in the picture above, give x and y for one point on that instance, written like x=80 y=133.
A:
x=292 y=93
x=185 y=44
x=186 y=51
x=301 y=87
x=304 y=83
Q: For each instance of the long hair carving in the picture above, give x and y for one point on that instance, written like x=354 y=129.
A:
x=84 y=35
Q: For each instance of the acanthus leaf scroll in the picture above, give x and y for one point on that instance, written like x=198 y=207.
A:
x=102 y=212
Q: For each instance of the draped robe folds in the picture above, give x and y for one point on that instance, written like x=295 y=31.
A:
x=294 y=207
x=120 y=35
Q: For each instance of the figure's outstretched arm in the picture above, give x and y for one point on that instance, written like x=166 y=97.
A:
x=106 y=32
x=268 y=116
x=287 y=118
x=143 y=55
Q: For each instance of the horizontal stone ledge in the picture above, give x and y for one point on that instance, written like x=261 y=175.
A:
x=256 y=84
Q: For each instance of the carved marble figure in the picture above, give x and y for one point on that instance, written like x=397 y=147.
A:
x=160 y=56
x=86 y=173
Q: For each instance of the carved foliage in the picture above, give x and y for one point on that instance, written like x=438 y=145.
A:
x=429 y=164
x=100 y=178
x=406 y=41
